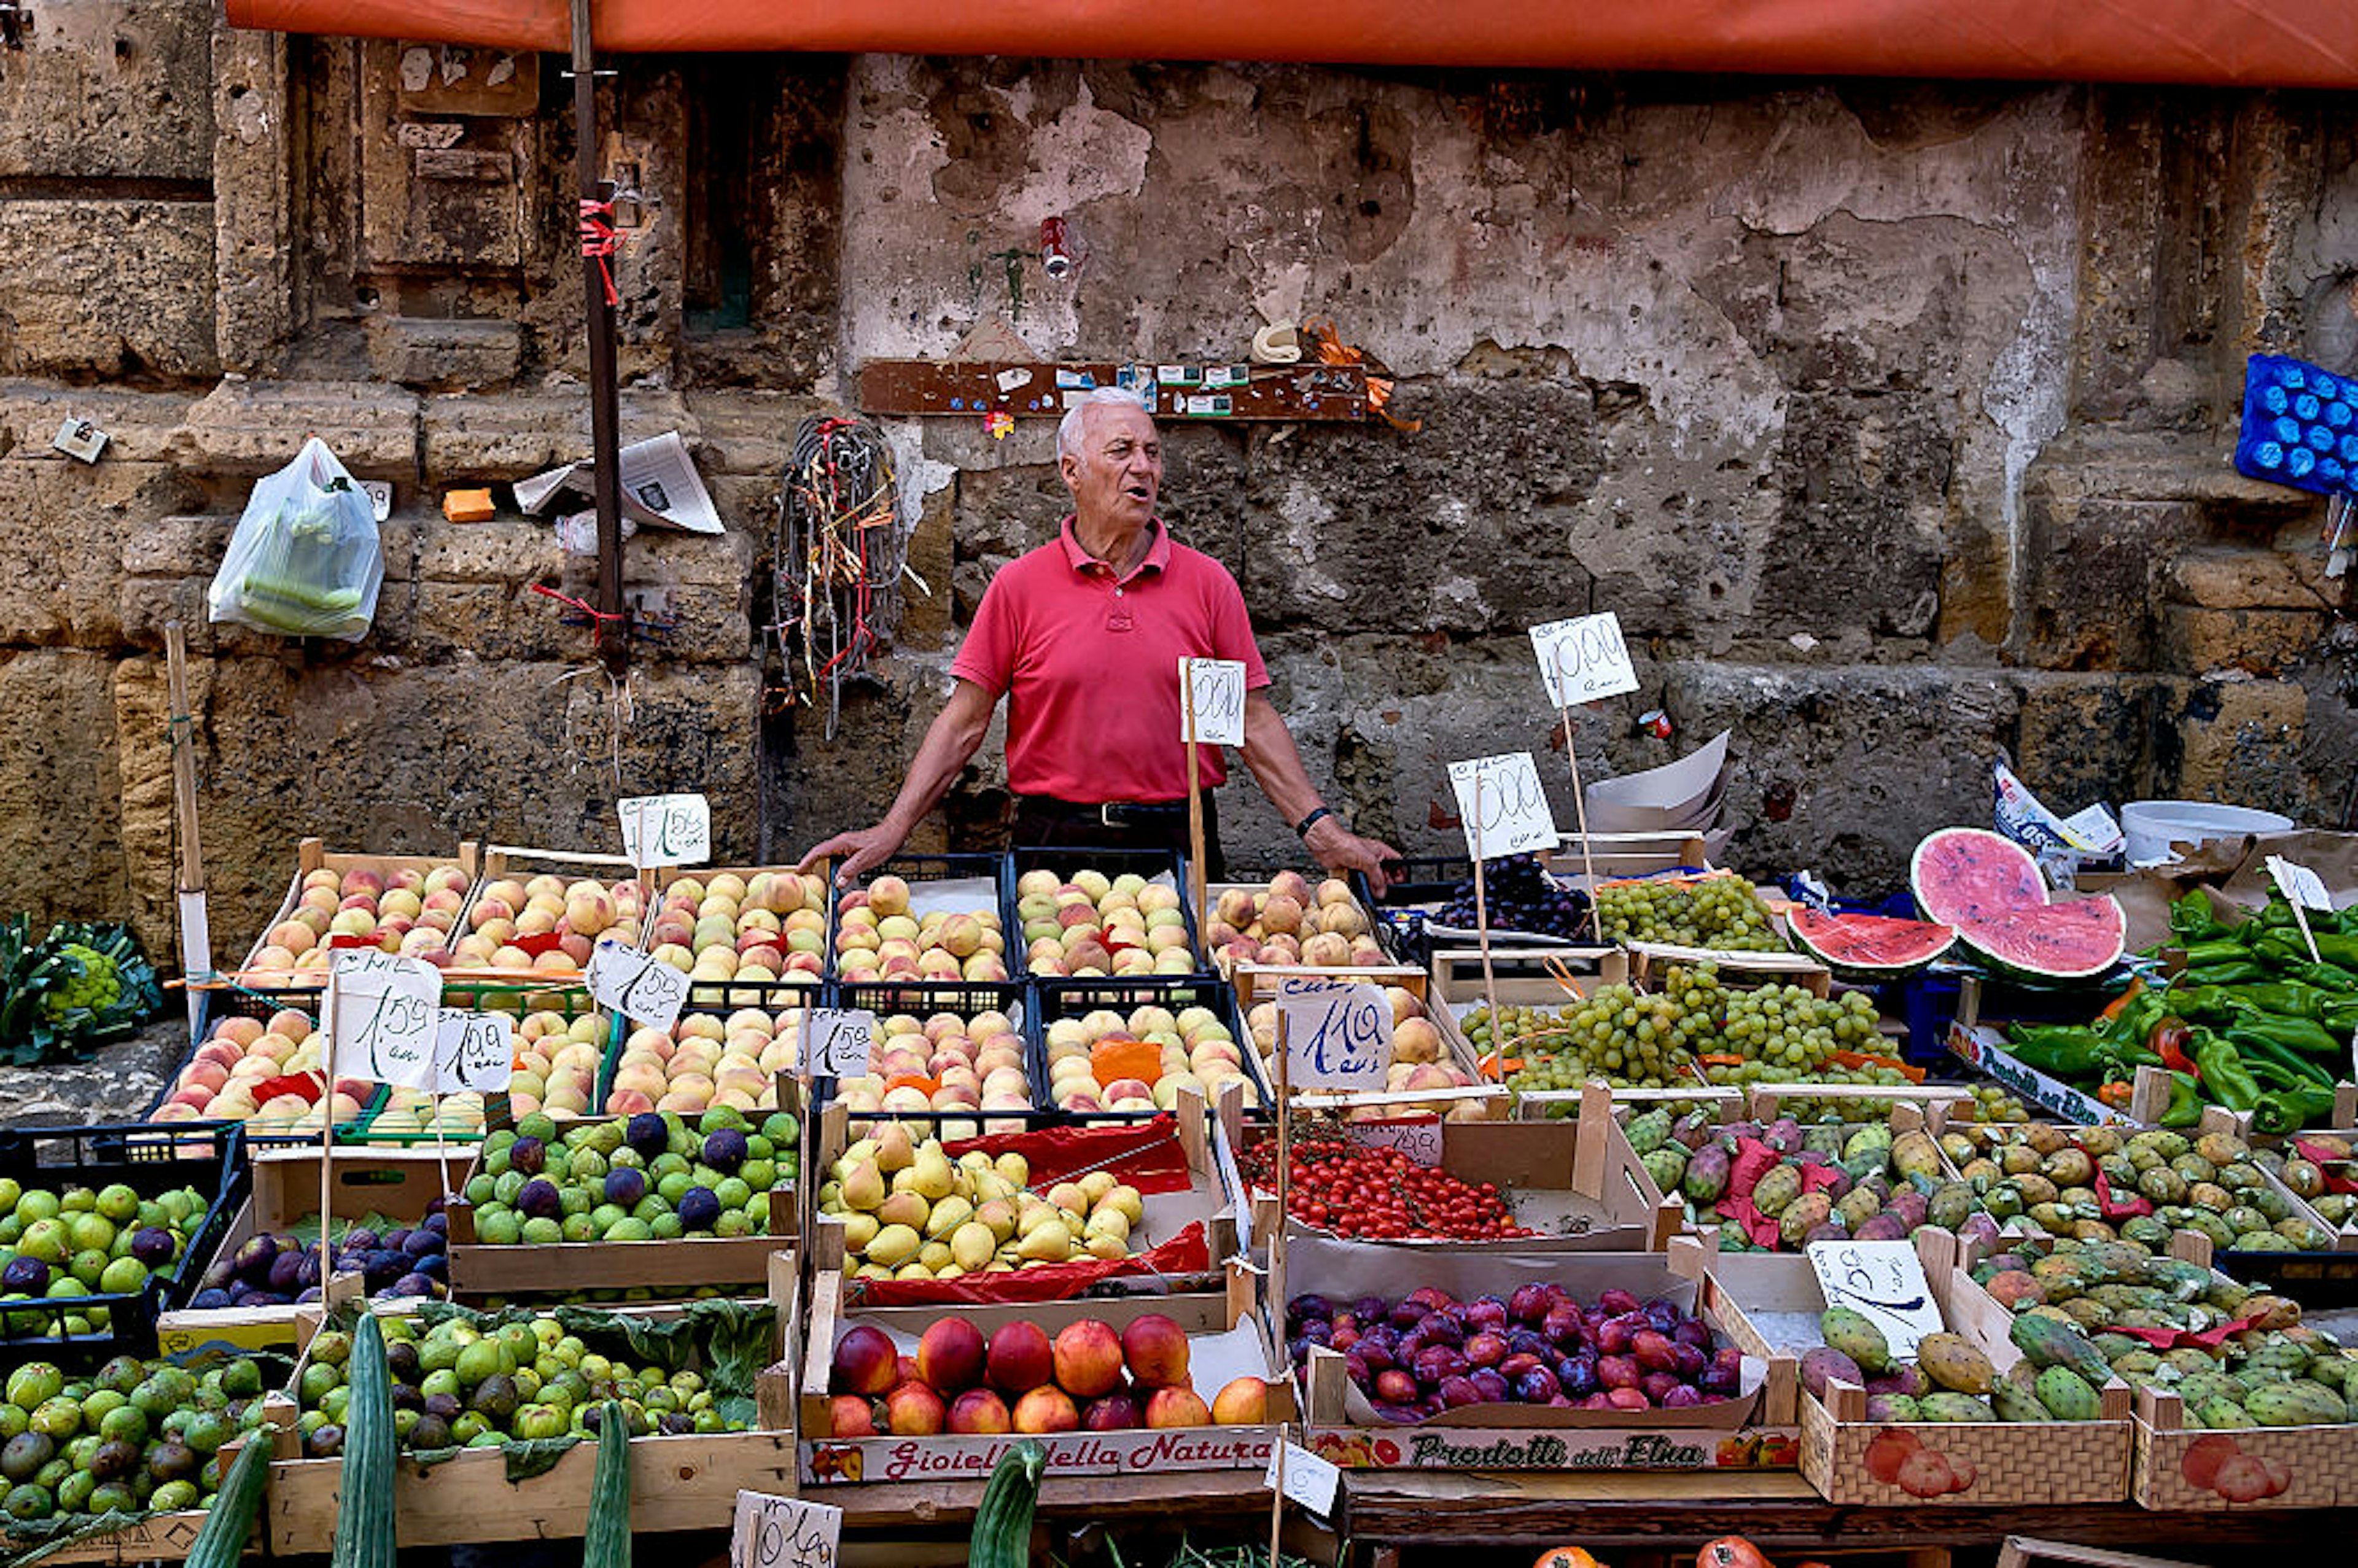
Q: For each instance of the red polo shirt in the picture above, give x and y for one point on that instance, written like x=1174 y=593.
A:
x=1089 y=662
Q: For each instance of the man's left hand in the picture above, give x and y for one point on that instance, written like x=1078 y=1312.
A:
x=1340 y=849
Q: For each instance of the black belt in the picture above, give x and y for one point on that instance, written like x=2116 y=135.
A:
x=1108 y=813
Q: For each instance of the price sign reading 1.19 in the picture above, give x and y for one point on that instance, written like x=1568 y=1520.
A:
x=636 y=986
x=1503 y=807
x=1583 y=659
x=383 y=1009
x=1338 y=1034
x=666 y=829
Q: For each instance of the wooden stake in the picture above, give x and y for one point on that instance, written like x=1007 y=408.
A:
x=196 y=936
x=1579 y=814
x=605 y=416
x=2300 y=918
x=1277 y=1263
x=327 y=1131
x=1482 y=936
x=1196 y=878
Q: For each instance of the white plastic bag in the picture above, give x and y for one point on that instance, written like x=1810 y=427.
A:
x=305 y=560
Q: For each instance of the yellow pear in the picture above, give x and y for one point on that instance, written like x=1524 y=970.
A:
x=972 y=1244
x=998 y=1218
x=1071 y=1219
x=904 y=1180
x=974 y=1159
x=1038 y=1215
x=987 y=1184
x=859 y=1231
x=949 y=1271
x=863 y=1188
x=894 y=1246
x=895 y=1150
x=1067 y=1196
x=1125 y=1198
x=913 y=1272
x=935 y=1256
x=933 y=1174
x=948 y=1214
x=830 y=1197
x=1097 y=1184
x=1100 y=1245
x=904 y=1208
x=1049 y=1243
x=1110 y=1222
x=872 y=1272
x=1015 y=1169
x=1002 y=1267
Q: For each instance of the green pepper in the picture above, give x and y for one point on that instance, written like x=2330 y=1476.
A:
x=2062 y=1051
x=2185 y=1102
x=2199 y=953
x=2324 y=976
x=2337 y=947
x=2204 y=1004
x=2305 y=1036
x=2290 y=1111
x=2286 y=999
x=2224 y=1077
x=2237 y=974
x=2256 y=1046
x=2133 y=1022
x=2193 y=918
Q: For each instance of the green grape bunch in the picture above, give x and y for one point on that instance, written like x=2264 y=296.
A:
x=1722 y=913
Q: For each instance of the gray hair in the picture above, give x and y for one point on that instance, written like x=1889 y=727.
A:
x=1068 y=433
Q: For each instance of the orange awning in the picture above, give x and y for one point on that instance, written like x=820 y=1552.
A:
x=2239 y=43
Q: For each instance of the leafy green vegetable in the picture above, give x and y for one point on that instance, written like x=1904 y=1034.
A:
x=77 y=989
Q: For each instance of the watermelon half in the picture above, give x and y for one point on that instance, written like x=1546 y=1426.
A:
x=1988 y=887
x=1869 y=945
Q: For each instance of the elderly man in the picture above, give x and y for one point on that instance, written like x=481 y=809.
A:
x=1084 y=637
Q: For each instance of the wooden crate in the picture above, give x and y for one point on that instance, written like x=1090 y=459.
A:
x=1733 y=1434
x=1579 y=1180
x=397 y=1183
x=312 y=855
x=1212 y=894
x=1208 y=1199
x=1615 y=855
x=1257 y=986
x=2273 y=1466
x=1648 y=960
x=158 y=1538
x=687 y=1483
x=2012 y=1462
x=1225 y=1331
x=480 y=1269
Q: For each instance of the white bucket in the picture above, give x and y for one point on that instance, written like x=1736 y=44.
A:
x=2151 y=827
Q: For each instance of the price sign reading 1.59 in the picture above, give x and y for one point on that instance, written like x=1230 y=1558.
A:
x=638 y=987
x=666 y=829
x=1583 y=659
x=1213 y=691
x=381 y=1014
x=836 y=1042
x=474 y=1050
x=1338 y=1034
x=1504 y=808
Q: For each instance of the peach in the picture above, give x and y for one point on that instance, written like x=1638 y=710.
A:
x=950 y=1354
x=1047 y=1409
x=888 y=896
x=912 y=1410
x=866 y=1363
x=1156 y=1350
x=240 y=1032
x=1117 y=1411
x=850 y=1415
x=1020 y=1357
x=1088 y=1358
x=979 y=1410
x=1170 y=1407
x=1244 y=1402
x=293 y=935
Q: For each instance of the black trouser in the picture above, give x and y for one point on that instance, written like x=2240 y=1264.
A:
x=1044 y=822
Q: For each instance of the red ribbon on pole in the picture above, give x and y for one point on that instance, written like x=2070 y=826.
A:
x=598 y=239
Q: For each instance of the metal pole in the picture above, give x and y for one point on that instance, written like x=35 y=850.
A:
x=605 y=417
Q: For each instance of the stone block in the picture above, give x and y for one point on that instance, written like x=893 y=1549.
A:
x=1857 y=541
x=2240 y=741
x=109 y=289
x=139 y=426
x=416 y=352
x=254 y=427
x=2092 y=572
x=60 y=835
x=2291 y=577
x=2080 y=738
x=2257 y=642
x=254 y=246
x=750 y=432
x=110 y=89
x=65 y=527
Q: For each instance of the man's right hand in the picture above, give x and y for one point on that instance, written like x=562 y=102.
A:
x=861 y=849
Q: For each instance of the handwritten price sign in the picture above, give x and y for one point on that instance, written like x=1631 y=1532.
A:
x=1309 y=1480
x=666 y=829
x=1211 y=691
x=636 y=986
x=383 y=1010
x=1883 y=1280
x=1583 y=659
x=1419 y=1136
x=784 y=1532
x=1504 y=809
x=474 y=1050
x=2300 y=885
x=1338 y=1034
x=836 y=1042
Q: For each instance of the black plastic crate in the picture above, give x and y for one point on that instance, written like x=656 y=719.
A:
x=915 y=868
x=1061 y=999
x=1064 y=863
x=1404 y=915
x=207 y=1156
x=2317 y=1281
x=924 y=999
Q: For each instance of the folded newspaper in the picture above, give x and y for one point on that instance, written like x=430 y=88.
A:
x=659 y=487
x=2063 y=846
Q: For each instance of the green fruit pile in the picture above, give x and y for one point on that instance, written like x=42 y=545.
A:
x=1718 y=911
x=55 y=1245
x=460 y=1385
x=650 y=1177
x=2215 y=1183
x=2072 y=1295
x=1950 y=1378
x=136 y=1435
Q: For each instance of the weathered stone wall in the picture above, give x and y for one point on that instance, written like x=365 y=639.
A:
x=1891 y=418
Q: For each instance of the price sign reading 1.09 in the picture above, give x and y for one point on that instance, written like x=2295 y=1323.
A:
x=473 y=1052
x=383 y=1009
x=640 y=988
x=1504 y=807
x=1583 y=659
x=666 y=829
x=1338 y=1034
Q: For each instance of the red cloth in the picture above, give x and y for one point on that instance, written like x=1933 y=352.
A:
x=2328 y=1162
x=1089 y=665
x=2121 y=1210
x=1755 y=1160
x=2172 y=1338
x=1145 y=1154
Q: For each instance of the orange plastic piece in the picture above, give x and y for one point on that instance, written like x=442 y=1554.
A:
x=913 y=1081
x=1112 y=1060
x=467 y=505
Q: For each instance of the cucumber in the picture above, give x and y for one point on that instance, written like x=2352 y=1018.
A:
x=1002 y=1521
x=606 y=1539
x=365 y=1527
x=222 y=1540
